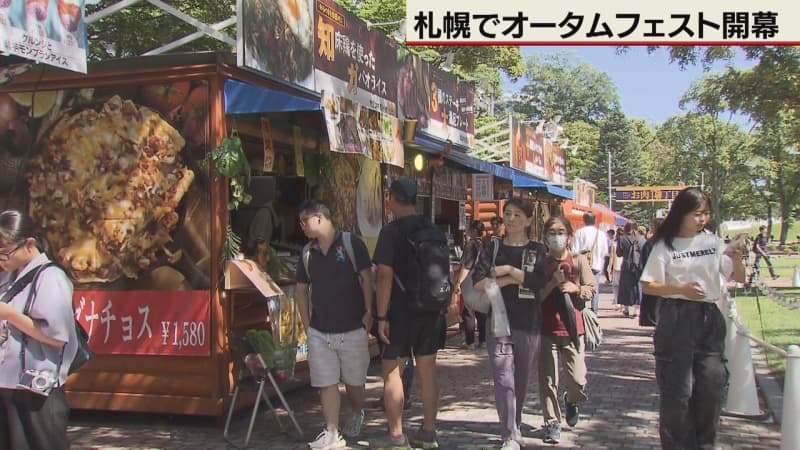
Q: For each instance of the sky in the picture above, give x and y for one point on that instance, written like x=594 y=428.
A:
x=649 y=86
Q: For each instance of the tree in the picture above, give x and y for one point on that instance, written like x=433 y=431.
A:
x=558 y=84
x=141 y=27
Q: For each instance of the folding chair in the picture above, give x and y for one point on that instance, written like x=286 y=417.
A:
x=254 y=375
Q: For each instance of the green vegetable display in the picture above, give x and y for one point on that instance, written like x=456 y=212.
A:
x=280 y=358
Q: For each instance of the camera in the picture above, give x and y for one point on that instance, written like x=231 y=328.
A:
x=37 y=381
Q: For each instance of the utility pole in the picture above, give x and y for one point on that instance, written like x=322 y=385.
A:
x=610 y=199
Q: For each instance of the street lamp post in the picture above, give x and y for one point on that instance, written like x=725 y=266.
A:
x=610 y=199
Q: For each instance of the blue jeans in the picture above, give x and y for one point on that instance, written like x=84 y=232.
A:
x=596 y=298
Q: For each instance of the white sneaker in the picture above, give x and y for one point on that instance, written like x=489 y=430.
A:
x=327 y=440
x=353 y=427
x=510 y=444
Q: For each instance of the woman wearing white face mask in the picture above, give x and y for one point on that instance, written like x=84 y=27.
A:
x=519 y=272
x=571 y=284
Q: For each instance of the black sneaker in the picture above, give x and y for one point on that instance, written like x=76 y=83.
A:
x=552 y=433
x=572 y=412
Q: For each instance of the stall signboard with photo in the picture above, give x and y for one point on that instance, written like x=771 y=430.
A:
x=450 y=109
x=559 y=165
x=267 y=25
x=354 y=72
x=118 y=182
x=527 y=148
x=52 y=32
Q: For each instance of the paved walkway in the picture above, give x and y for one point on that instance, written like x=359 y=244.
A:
x=621 y=412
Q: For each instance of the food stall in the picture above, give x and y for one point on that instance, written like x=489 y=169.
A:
x=115 y=168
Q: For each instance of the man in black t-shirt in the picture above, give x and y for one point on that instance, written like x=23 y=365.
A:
x=760 y=249
x=337 y=319
x=405 y=333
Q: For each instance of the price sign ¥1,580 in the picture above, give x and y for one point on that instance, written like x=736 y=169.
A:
x=146 y=322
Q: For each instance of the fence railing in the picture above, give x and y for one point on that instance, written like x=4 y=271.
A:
x=790 y=414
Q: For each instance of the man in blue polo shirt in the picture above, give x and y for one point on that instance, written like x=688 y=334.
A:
x=336 y=270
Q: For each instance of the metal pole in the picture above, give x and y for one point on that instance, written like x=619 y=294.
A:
x=790 y=434
x=610 y=199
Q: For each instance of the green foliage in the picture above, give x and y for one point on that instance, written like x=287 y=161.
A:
x=230 y=161
x=142 y=27
x=231 y=245
x=559 y=84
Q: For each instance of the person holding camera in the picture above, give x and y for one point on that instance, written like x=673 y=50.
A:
x=37 y=340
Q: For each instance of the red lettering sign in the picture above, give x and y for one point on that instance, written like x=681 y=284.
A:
x=146 y=322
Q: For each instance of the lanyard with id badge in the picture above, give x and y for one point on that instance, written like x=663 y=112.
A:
x=528 y=263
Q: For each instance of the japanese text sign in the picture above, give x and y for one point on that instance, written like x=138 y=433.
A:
x=450 y=108
x=146 y=322
x=622 y=22
x=360 y=60
x=46 y=31
x=633 y=194
x=533 y=153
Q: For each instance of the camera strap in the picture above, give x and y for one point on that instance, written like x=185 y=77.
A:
x=34 y=276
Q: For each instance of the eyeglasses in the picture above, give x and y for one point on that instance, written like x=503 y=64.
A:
x=304 y=220
x=5 y=256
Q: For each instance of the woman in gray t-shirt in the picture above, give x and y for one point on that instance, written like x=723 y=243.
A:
x=33 y=407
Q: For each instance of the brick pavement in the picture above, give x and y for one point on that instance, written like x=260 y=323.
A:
x=621 y=412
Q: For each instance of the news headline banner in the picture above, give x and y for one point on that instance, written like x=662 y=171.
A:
x=621 y=22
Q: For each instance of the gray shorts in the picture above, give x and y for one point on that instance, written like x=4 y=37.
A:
x=335 y=357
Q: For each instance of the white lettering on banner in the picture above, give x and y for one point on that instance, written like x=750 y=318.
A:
x=184 y=334
x=127 y=328
x=145 y=312
x=107 y=318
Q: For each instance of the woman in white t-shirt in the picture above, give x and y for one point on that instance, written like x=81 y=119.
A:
x=685 y=268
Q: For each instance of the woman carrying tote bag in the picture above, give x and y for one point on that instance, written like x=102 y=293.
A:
x=519 y=271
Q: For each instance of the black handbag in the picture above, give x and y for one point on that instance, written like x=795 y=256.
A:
x=84 y=353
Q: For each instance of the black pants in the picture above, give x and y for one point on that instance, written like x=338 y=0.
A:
x=606 y=273
x=769 y=264
x=469 y=317
x=691 y=373
x=32 y=422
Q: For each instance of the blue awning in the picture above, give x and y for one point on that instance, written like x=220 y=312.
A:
x=525 y=180
x=246 y=98
x=458 y=155
x=559 y=191
x=620 y=221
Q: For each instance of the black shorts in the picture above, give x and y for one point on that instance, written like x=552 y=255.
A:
x=415 y=334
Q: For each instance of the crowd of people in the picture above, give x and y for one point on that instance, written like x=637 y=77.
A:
x=545 y=287
x=673 y=271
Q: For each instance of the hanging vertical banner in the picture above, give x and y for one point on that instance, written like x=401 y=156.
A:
x=297 y=139
x=264 y=26
x=45 y=31
x=269 y=149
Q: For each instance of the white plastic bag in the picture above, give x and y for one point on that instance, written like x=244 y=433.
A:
x=500 y=326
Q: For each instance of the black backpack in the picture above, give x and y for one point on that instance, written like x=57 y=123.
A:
x=634 y=257
x=427 y=286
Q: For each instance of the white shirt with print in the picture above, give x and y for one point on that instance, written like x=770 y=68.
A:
x=697 y=259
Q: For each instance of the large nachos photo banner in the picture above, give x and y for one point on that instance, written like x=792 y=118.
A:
x=116 y=178
x=354 y=72
x=52 y=32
